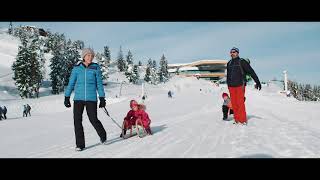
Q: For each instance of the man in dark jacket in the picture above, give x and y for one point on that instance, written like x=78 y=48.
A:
x=25 y=111
x=1 y=113
x=28 y=109
x=4 y=112
x=236 y=72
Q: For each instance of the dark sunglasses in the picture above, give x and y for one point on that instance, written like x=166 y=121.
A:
x=233 y=52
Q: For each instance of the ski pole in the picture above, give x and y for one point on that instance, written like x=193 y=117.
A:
x=105 y=110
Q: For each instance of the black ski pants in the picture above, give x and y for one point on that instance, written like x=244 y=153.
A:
x=91 y=108
x=225 y=110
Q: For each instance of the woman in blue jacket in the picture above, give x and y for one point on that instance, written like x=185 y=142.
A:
x=86 y=80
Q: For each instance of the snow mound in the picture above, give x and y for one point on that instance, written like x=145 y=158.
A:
x=8 y=49
x=117 y=77
x=179 y=84
x=8 y=52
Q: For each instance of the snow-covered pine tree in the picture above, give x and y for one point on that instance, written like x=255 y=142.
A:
x=21 y=68
x=129 y=73
x=103 y=63
x=18 y=32
x=129 y=67
x=52 y=41
x=150 y=63
x=57 y=80
x=59 y=65
x=37 y=65
x=318 y=93
x=163 y=71
x=147 y=77
x=120 y=61
x=308 y=92
x=72 y=57
x=105 y=71
x=98 y=56
x=166 y=68
x=107 y=54
x=154 y=76
x=314 y=93
x=10 y=29
x=135 y=75
x=27 y=72
x=292 y=88
x=41 y=46
x=311 y=95
x=154 y=64
x=49 y=42
x=296 y=88
x=304 y=92
x=301 y=92
x=129 y=58
x=29 y=64
x=78 y=44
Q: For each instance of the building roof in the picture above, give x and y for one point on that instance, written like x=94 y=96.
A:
x=200 y=62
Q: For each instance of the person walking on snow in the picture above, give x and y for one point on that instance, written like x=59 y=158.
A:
x=4 y=112
x=28 y=109
x=1 y=113
x=86 y=80
x=25 y=111
x=236 y=71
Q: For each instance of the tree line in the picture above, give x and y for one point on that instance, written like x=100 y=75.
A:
x=29 y=67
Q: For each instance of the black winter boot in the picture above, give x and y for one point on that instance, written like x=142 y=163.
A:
x=124 y=131
x=149 y=131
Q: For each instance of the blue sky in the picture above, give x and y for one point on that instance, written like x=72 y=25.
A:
x=271 y=46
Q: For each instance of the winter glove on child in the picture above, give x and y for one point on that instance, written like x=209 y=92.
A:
x=67 y=102
x=102 y=102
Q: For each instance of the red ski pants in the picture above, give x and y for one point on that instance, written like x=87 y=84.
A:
x=237 y=101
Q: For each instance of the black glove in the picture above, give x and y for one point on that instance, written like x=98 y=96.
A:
x=258 y=86
x=67 y=102
x=102 y=102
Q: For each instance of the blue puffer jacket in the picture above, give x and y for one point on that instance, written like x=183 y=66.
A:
x=85 y=81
